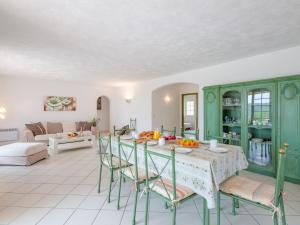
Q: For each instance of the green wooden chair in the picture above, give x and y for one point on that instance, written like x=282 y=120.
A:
x=131 y=126
x=171 y=193
x=190 y=133
x=269 y=197
x=108 y=160
x=170 y=131
x=128 y=152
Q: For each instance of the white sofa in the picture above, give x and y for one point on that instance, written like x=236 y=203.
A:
x=67 y=128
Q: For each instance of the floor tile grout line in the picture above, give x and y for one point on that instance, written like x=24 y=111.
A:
x=251 y=215
x=124 y=209
x=50 y=210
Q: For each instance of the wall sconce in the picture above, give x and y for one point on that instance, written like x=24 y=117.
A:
x=167 y=99
x=128 y=98
x=2 y=113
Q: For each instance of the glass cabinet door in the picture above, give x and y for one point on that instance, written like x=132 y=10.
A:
x=231 y=118
x=260 y=120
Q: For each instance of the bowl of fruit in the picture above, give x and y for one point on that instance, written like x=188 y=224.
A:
x=170 y=138
x=72 y=134
x=188 y=143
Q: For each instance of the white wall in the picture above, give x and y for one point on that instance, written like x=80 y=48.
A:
x=280 y=63
x=23 y=100
x=166 y=113
x=169 y=113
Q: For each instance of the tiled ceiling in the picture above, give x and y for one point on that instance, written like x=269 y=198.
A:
x=113 y=41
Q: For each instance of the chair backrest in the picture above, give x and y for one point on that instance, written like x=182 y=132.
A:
x=131 y=126
x=128 y=153
x=280 y=174
x=189 y=133
x=166 y=165
x=105 y=149
x=171 y=131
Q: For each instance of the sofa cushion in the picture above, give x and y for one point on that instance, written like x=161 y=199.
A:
x=22 y=149
x=69 y=127
x=83 y=126
x=54 y=128
x=36 y=128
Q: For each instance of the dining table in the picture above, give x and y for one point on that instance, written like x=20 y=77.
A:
x=199 y=169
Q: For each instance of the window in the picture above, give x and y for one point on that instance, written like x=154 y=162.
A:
x=190 y=108
x=259 y=102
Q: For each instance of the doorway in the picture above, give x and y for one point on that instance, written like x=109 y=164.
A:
x=189 y=112
x=103 y=114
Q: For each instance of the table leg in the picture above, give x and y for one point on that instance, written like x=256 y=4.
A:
x=206 y=214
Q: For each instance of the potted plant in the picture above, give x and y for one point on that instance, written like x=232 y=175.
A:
x=94 y=126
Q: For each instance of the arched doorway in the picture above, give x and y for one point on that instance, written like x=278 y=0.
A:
x=103 y=114
x=175 y=105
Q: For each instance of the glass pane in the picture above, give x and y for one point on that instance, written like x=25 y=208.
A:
x=260 y=128
x=231 y=114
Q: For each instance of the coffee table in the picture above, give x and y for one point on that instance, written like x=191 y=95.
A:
x=61 y=143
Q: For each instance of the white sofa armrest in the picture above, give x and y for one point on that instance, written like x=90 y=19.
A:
x=28 y=135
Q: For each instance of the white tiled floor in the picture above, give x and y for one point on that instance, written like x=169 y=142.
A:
x=63 y=190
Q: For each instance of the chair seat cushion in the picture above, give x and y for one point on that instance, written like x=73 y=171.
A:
x=182 y=192
x=249 y=189
x=115 y=162
x=130 y=172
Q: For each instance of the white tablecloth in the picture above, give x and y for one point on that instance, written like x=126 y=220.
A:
x=201 y=170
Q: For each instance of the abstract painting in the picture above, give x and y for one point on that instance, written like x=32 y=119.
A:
x=59 y=103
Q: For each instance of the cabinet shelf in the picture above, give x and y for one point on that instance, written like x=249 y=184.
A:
x=260 y=127
x=231 y=105
x=231 y=125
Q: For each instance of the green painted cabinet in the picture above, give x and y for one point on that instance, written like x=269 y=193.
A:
x=261 y=116
x=289 y=125
x=211 y=113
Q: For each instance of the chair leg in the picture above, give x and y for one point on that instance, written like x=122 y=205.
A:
x=166 y=205
x=205 y=213
x=237 y=203
x=135 y=204
x=119 y=192
x=99 y=182
x=147 y=208
x=275 y=219
x=218 y=208
x=233 y=207
x=174 y=215
x=282 y=211
x=110 y=184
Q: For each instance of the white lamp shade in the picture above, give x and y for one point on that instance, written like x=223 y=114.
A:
x=2 y=110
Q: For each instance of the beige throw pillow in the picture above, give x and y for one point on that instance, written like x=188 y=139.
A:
x=54 y=128
x=83 y=126
x=36 y=128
